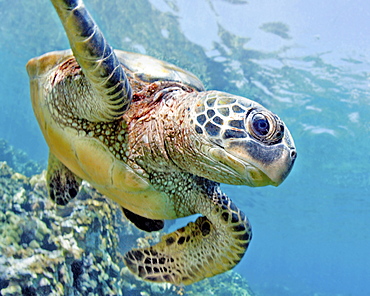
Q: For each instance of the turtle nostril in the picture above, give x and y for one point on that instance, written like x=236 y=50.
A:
x=293 y=154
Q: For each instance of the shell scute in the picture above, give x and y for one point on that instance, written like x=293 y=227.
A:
x=150 y=69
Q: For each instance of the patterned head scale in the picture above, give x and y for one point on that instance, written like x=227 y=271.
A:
x=246 y=130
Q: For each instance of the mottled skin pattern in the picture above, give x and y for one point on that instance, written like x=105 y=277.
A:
x=156 y=143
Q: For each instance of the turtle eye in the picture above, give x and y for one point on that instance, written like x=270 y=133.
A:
x=260 y=124
x=265 y=126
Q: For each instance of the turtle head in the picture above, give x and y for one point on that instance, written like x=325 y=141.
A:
x=249 y=143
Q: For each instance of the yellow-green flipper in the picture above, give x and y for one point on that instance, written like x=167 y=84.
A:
x=95 y=56
x=213 y=244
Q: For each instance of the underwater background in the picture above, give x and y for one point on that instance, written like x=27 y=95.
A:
x=308 y=61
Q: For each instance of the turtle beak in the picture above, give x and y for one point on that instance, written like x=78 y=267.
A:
x=260 y=164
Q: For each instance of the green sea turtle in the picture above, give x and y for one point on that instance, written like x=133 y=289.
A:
x=147 y=135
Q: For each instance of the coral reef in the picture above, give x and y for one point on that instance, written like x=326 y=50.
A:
x=76 y=250
x=18 y=159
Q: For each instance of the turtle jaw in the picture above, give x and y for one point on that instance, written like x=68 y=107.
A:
x=254 y=163
x=265 y=165
x=240 y=172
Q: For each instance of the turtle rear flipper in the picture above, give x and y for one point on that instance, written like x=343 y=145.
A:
x=204 y=248
x=63 y=185
x=97 y=60
x=143 y=223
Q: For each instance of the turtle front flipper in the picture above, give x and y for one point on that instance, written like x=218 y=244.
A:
x=63 y=185
x=211 y=245
x=96 y=58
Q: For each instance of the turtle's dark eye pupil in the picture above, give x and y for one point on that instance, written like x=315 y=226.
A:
x=260 y=125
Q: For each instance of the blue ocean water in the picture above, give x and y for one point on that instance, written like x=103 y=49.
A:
x=308 y=61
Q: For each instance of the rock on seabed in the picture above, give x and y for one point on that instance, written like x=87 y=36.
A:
x=76 y=249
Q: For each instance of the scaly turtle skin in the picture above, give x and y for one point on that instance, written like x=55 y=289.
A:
x=146 y=134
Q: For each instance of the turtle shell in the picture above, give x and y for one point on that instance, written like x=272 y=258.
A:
x=150 y=69
x=86 y=156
